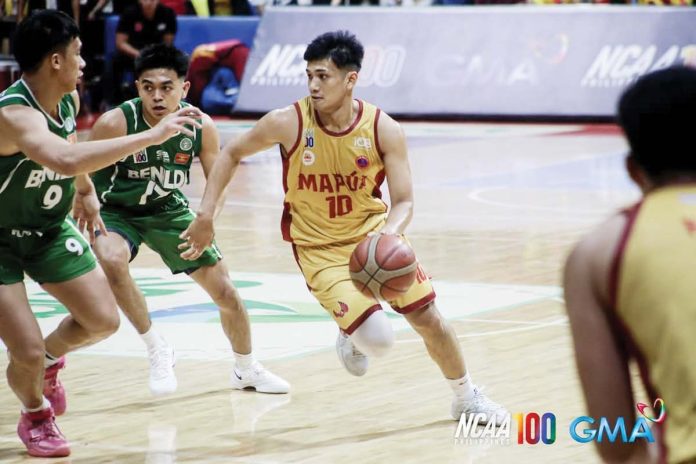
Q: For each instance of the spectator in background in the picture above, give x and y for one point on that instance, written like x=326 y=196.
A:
x=140 y=25
x=69 y=7
x=260 y=6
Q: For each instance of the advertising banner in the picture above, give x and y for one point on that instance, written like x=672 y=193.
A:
x=509 y=60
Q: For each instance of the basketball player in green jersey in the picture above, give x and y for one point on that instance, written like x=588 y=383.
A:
x=336 y=152
x=41 y=170
x=142 y=203
x=629 y=285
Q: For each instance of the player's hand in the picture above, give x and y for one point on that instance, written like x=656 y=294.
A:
x=86 y=213
x=183 y=120
x=197 y=237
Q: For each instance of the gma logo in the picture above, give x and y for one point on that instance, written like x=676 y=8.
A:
x=583 y=430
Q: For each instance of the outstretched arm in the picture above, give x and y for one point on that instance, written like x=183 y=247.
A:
x=278 y=126
x=24 y=129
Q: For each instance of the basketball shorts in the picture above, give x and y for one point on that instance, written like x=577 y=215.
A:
x=160 y=231
x=325 y=269
x=55 y=255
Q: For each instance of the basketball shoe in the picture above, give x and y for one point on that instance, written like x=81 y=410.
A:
x=354 y=361
x=480 y=403
x=40 y=434
x=53 y=388
x=259 y=378
x=162 y=377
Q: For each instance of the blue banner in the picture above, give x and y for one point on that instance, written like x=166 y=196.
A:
x=508 y=60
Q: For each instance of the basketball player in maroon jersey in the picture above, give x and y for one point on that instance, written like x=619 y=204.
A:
x=336 y=153
x=628 y=284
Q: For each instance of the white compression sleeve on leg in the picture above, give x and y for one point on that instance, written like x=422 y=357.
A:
x=375 y=336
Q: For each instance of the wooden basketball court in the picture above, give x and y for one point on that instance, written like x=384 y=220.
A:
x=498 y=207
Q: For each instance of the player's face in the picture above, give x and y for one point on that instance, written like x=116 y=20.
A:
x=328 y=85
x=161 y=91
x=71 y=64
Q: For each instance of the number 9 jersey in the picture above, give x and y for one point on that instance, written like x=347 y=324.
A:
x=34 y=197
x=332 y=180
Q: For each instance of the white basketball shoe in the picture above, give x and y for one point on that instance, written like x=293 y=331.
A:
x=162 y=377
x=480 y=403
x=258 y=378
x=354 y=361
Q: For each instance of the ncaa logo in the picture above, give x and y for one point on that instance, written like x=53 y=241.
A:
x=309 y=138
x=308 y=158
x=185 y=144
x=140 y=157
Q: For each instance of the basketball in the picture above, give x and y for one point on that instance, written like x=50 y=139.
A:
x=383 y=266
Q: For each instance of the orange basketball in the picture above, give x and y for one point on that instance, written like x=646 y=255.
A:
x=383 y=266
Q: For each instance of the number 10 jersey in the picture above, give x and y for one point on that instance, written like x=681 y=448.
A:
x=332 y=180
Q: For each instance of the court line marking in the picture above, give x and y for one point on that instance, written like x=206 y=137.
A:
x=423 y=214
x=476 y=195
x=559 y=321
x=177 y=455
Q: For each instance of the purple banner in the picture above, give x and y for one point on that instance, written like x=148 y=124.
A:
x=510 y=60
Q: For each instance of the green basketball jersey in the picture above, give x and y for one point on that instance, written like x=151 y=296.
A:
x=33 y=197
x=152 y=177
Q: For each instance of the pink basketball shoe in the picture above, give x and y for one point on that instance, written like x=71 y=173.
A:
x=40 y=434
x=53 y=388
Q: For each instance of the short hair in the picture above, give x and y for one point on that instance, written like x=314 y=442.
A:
x=41 y=34
x=657 y=115
x=161 y=56
x=341 y=47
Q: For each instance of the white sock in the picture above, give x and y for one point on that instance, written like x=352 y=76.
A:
x=463 y=388
x=50 y=360
x=244 y=361
x=45 y=405
x=152 y=339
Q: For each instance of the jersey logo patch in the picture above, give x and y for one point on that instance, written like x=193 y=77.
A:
x=362 y=162
x=162 y=156
x=308 y=158
x=140 y=157
x=362 y=142
x=69 y=124
x=342 y=311
x=309 y=138
x=185 y=144
x=181 y=158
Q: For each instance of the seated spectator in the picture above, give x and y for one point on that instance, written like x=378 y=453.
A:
x=143 y=24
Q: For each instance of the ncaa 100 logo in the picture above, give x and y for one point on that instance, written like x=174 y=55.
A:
x=284 y=65
x=540 y=428
x=532 y=428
